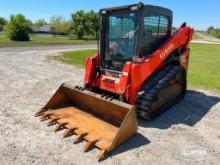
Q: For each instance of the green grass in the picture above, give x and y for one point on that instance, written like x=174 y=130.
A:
x=204 y=65
x=75 y=57
x=43 y=40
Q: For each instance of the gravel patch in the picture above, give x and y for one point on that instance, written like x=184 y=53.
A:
x=188 y=133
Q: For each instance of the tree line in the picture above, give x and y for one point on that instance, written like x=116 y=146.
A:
x=213 y=31
x=81 y=23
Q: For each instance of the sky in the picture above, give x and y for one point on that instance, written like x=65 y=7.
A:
x=199 y=14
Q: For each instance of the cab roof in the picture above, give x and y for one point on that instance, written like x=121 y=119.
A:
x=150 y=8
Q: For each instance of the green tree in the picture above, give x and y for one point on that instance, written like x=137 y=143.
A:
x=211 y=30
x=79 y=23
x=29 y=22
x=59 y=25
x=18 y=28
x=3 y=22
x=40 y=22
x=94 y=22
x=218 y=33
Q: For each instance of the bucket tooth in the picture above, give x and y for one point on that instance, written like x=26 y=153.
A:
x=68 y=132
x=79 y=137
x=40 y=112
x=101 y=154
x=89 y=145
x=45 y=116
x=59 y=126
x=51 y=121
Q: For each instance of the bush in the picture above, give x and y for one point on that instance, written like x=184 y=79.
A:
x=3 y=22
x=40 y=22
x=94 y=22
x=59 y=26
x=210 y=29
x=18 y=28
x=215 y=32
x=85 y=23
x=79 y=24
x=1 y=28
x=218 y=33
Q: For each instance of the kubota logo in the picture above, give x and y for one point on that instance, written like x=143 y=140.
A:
x=167 y=51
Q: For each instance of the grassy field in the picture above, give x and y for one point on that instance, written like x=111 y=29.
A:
x=43 y=40
x=74 y=57
x=204 y=66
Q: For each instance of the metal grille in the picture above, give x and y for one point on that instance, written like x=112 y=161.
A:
x=117 y=27
x=151 y=24
x=155 y=25
x=163 y=25
x=119 y=45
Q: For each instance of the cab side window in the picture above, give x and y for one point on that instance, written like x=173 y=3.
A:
x=155 y=31
x=155 y=26
x=163 y=25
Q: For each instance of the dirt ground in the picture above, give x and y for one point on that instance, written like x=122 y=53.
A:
x=188 y=133
x=206 y=39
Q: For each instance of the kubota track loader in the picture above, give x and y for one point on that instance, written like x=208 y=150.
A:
x=140 y=68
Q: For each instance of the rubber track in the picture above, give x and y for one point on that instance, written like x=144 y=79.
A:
x=152 y=87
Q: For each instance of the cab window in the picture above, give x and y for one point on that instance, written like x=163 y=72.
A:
x=155 y=25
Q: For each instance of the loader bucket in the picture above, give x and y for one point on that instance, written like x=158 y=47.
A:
x=102 y=123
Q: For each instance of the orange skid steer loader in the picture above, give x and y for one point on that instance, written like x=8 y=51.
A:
x=140 y=68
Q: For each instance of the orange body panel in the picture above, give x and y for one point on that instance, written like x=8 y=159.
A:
x=135 y=73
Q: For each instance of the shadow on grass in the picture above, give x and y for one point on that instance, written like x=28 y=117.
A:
x=189 y=111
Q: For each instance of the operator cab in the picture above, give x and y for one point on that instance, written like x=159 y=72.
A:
x=130 y=32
